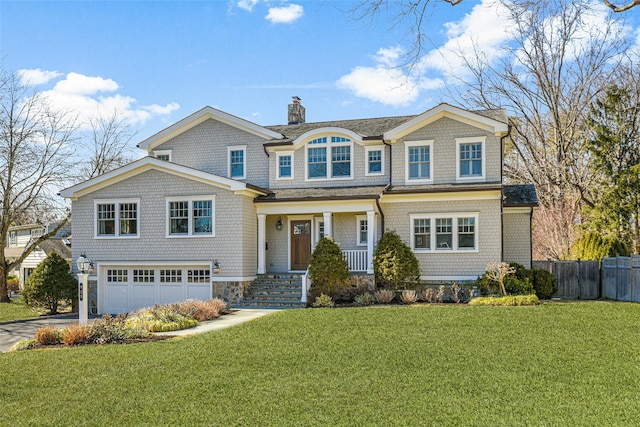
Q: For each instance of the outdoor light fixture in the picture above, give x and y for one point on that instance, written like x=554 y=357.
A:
x=83 y=265
x=279 y=223
x=215 y=267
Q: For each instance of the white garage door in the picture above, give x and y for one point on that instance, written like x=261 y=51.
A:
x=127 y=288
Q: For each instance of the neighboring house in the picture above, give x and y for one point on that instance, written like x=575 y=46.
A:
x=20 y=237
x=220 y=201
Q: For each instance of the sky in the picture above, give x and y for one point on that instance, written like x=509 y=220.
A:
x=159 y=61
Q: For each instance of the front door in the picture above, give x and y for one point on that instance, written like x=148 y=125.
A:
x=300 y=244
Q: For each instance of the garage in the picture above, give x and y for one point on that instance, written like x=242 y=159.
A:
x=126 y=288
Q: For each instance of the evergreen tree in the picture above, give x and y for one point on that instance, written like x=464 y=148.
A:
x=394 y=263
x=50 y=283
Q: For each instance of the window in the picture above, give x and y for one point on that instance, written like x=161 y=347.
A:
x=198 y=276
x=334 y=164
x=117 y=276
x=362 y=230
x=374 y=161
x=471 y=163
x=116 y=218
x=419 y=165
x=285 y=165
x=237 y=155
x=444 y=232
x=162 y=155
x=319 y=229
x=143 y=276
x=170 y=276
x=189 y=217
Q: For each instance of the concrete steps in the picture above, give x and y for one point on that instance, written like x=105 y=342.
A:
x=282 y=290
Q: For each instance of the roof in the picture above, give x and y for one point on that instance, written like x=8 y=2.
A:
x=335 y=193
x=56 y=245
x=519 y=195
x=442 y=188
x=13 y=252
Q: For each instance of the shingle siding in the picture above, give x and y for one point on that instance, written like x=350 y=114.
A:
x=517 y=238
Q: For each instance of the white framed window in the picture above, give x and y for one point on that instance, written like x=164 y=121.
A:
x=236 y=159
x=419 y=162
x=116 y=218
x=162 y=155
x=284 y=164
x=319 y=229
x=329 y=157
x=470 y=159
x=362 y=230
x=199 y=276
x=374 y=161
x=190 y=216
x=444 y=232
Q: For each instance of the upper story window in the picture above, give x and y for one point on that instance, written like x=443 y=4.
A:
x=471 y=158
x=190 y=216
x=444 y=232
x=237 y=161
x=419 y=164
x=162 y=155
x=284 y=161
x=116 y=218
x=329 y=158
x=374 y=161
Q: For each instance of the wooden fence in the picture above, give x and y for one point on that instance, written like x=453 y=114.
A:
x=613 y=278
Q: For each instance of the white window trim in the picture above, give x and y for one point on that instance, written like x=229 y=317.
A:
x=358 y=219
x=471 y=140
x=316 y=231
x=283 y=154
x=454 y=228
x=190 y=199
x=366 y=160
x=157 y=153
x=328 y=145
x=117 y=203
x=409 y=144
x=242 y=148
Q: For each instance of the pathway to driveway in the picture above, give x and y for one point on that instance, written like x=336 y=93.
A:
x=12 y=332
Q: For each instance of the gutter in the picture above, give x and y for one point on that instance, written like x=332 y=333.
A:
x=502 y=139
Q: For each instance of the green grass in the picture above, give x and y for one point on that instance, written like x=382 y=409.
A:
x=553 y=364
x=16 y=310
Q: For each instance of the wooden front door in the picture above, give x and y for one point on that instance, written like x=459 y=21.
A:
x=300 y=244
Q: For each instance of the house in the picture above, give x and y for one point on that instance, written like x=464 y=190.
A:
x=20 y=236
x=221 y=206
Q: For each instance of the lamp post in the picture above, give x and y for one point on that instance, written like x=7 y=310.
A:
x=83 y=304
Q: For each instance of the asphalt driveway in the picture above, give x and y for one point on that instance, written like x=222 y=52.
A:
x=12 y=332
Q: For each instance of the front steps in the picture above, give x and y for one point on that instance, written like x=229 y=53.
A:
x=277 y=290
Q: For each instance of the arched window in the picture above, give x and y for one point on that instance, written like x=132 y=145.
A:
x=329 y=157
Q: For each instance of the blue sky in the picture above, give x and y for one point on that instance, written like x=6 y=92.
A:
x=159 y=61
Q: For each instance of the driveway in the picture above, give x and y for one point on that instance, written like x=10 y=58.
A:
x=12 y=332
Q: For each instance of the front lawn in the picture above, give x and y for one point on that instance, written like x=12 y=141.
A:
x=554 y=364
x=16 y=310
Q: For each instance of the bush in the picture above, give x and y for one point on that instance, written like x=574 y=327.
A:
x=50 y=282
x=429 y=295
x=457 y=293
x=110 y=329
x=328 y=270
x=515 y=286
x=13 y=283
x=202 y=310
x=394 y=264
x=409 y=296
x=160 y=319
x=24 y=345
x=384 y=296
x=47 y=335
x=76 y=334
x=323 y=301
x=509 y=300
x=364 y=299
x=544 y=283
x=439 y=294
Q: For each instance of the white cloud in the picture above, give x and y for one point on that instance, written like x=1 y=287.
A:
x=37 y=76
x=247 y=4
x=385 y=82
x=88 y=96
x=285 y=14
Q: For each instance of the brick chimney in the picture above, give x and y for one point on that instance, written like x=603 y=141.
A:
x=296 y=111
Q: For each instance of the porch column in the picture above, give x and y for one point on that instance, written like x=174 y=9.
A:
x=371 y=233
x=261 y=243
x=327 y=224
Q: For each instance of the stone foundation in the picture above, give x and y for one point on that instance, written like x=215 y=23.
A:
x=362 y=280
x=231 y=292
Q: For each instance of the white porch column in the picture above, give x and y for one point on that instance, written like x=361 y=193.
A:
x=327 y=224
x=371 y=229
x=261 y=243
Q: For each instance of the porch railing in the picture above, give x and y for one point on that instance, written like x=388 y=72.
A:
x=357 y=259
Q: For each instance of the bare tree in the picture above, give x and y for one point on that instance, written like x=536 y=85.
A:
x=34 y=162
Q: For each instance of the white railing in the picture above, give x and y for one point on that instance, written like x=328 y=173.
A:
x=357 y=259
x=306 y=284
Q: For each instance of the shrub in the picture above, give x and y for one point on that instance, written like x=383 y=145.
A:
x=509 y=300
x=544 y=283
x=47 y=335
x=409 y=296
x=456 y=293
x=515 y=286
x=50 y=282
x=384 y=296
x=394 y=263
x=160 y=319
x=429 y=295
x=439 y=295
x=24 y=345
x=497 y=271
x=328 y=270
x=201 y=310
x=13 y=283
x=110 y=329
x=323 y=301
x=364 y=299
x=349 y=293
x=76 y=334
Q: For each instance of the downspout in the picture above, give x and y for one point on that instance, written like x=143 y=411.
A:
x=502 y=139
x=386 y=187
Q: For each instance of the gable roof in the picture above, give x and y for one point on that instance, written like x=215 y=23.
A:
x=151 y=163
x=519 y=195
x=201 y=116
